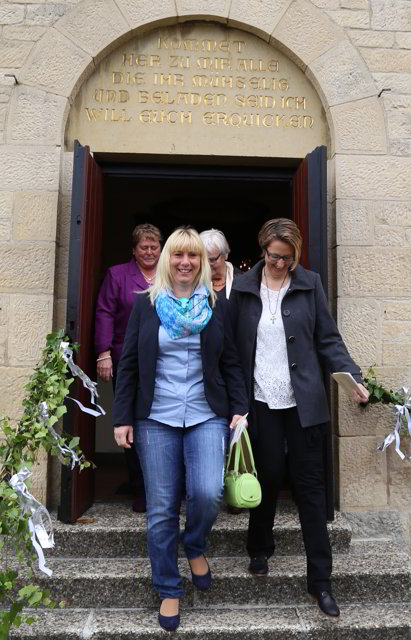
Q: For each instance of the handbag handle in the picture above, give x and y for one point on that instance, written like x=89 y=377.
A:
x=239 y=457
x=246 y=444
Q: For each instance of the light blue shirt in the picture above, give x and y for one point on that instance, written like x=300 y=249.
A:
x=179 y=398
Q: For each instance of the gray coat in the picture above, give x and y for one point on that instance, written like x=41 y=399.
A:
x=312 y=338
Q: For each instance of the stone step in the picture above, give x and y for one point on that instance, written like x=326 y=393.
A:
x=366 y=621
x=112 y=530
x=125 y=582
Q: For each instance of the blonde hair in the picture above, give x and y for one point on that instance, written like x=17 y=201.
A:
x=146 y=230
x=182 y=239
x=285 y=230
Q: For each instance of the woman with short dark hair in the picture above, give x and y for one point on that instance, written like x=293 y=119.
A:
x=283 y=331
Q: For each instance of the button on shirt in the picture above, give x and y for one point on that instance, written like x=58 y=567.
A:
x=179 y=398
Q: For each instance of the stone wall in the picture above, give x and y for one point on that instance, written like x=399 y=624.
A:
x=357 y=54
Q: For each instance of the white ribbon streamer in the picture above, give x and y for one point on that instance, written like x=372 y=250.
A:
x=87 y=383
x=64 y=449
x=402 y=411
x=40 y=525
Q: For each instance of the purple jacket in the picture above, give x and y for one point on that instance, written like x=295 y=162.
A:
x=114 y=304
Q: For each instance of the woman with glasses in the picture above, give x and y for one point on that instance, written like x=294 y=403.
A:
x=284 y=331
x=223 y=272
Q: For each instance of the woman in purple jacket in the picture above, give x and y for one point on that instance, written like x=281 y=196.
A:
x=114 y=304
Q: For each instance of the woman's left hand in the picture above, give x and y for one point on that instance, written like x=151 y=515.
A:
x=234 y=421
x=360 y=394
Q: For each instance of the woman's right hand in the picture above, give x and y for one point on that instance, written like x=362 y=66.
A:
x=105 y=366
x=124 y=436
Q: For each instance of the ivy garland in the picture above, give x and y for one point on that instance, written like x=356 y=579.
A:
x=19 y=447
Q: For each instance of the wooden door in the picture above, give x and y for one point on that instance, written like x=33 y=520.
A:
x=85 y=261
x=310 y=214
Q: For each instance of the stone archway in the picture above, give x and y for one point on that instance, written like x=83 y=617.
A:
x=68 y=52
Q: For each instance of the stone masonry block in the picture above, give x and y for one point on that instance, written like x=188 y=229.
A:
x=340 y=75
x=5 y=229
x=396 y=309
x=94 y=25
x=365 y=271
x=59 y=314
x=376 y=419
x=359 y=323
x=396 y=82
x=4 y=308
x=64 y=221
x=362 y=473
x=217 y=8
x=66 y=175
x=403 y=40
x=260 y=16
x=391 y=14
x=35 y=117
x=349 y=18
x=11 y=13
x=392 y=213
x=387 y=60
x=359 y=126
x=35 y=216
x=354 y=222
x=13 y=381
x=369 y=38
x=327 y=4
x=385 y=236
x=39 y=477
x=398 y=110
x=29 y=168
x=373 y=177
x=396 y=353
x=3 y=345
x=46 y=14
x=24 y=33
x=30 y=322
x=62 y=261
x=400 y=147
x=27 y=267
x=300 y=19
x=355 y=4
x=57 y=65
x=6 y=204
x=140 y=12
x=396 y=331
x=399 y=475
x=14 y=54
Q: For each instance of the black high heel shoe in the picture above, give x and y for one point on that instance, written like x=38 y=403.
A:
x=201 y=582
x=168 y=623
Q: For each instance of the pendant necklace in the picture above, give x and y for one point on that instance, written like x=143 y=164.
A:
x=273 y=315
x=147 y=278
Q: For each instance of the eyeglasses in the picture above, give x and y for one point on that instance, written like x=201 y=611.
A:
x=214 y=260
x=274 y=257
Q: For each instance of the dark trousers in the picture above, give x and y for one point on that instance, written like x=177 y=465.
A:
x=135 y=473
x=277 y=429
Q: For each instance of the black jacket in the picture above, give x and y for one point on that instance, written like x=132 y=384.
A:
x=223 y=378
x=312 y=338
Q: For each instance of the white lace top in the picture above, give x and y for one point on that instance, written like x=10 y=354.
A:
x=272 y=383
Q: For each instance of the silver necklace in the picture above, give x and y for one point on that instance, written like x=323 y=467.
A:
x=273 y=315
x=147 y=278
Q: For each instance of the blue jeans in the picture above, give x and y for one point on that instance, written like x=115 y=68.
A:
x=168 y=456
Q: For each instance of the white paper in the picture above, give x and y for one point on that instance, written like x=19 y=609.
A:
x=346 y=381
x=239 y=428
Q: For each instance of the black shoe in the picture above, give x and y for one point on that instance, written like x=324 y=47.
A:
x=168 y=623
x=327 y=603
x=258 y=566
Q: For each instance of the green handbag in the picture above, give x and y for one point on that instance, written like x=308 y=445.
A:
x=241 y=487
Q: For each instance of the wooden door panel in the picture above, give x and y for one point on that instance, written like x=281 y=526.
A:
x=309 y=212
x=86 y=235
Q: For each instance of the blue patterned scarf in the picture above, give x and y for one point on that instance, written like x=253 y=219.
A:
x=181 y=317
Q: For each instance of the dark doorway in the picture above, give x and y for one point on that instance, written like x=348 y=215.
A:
x=110 y=198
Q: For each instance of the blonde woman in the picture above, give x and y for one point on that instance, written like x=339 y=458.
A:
x=179 y=388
